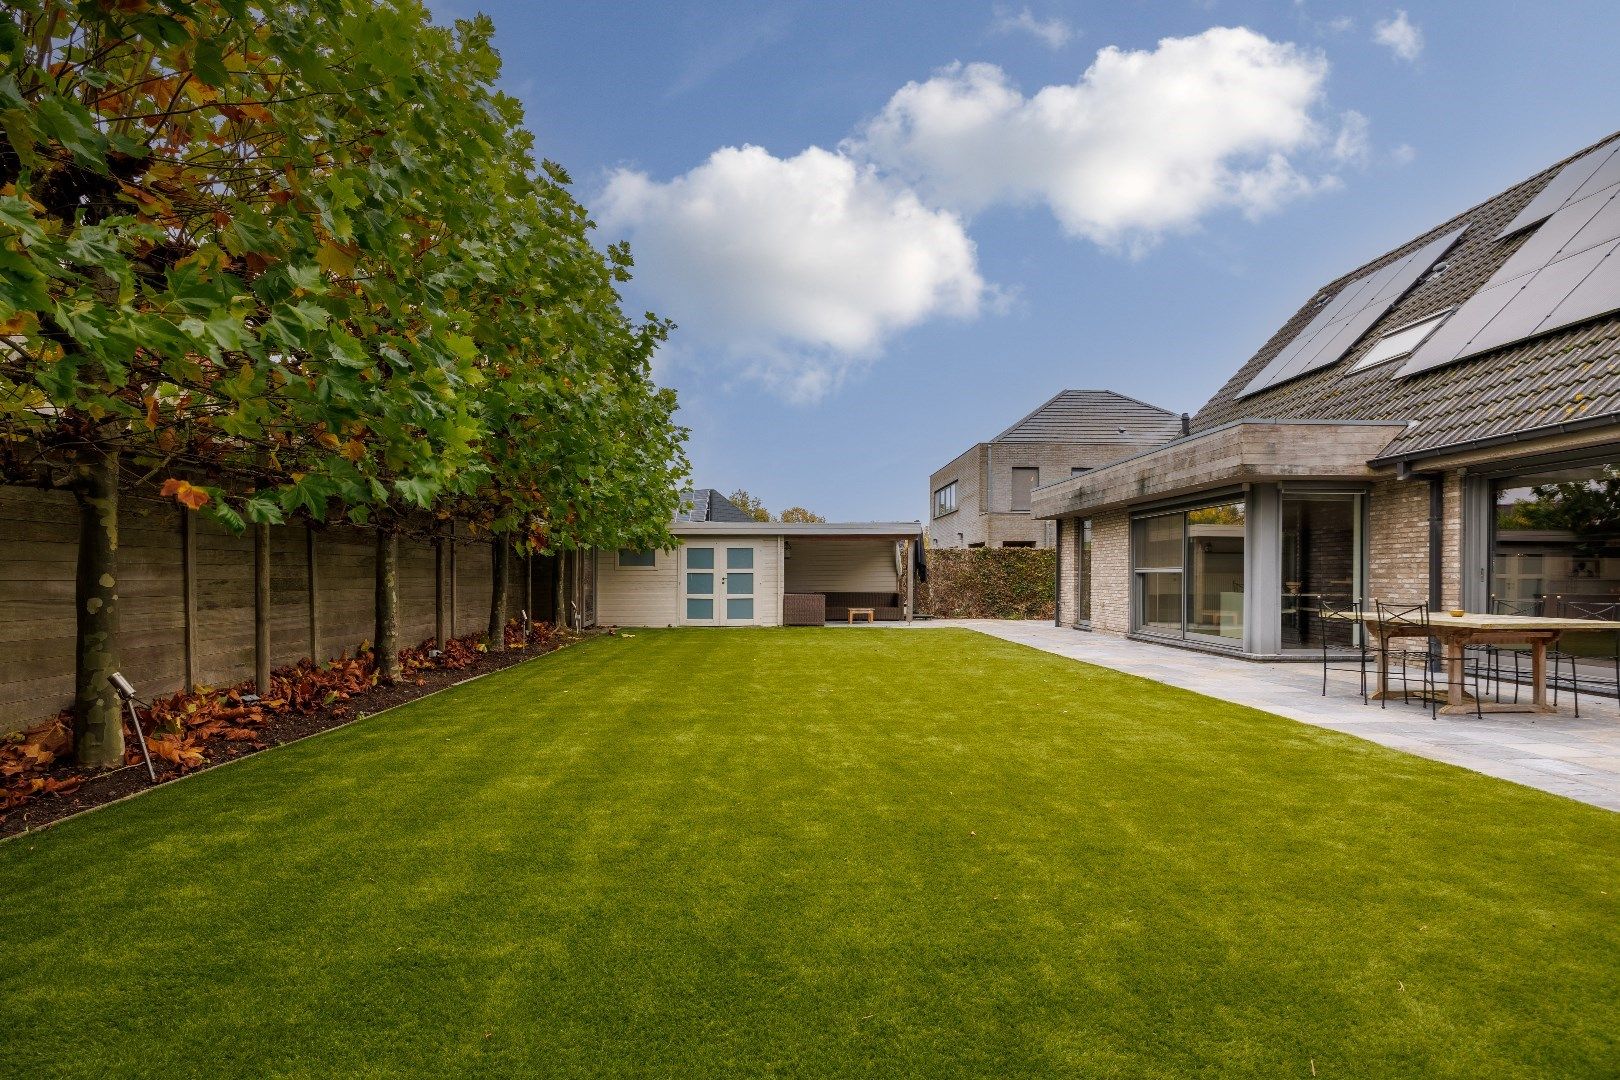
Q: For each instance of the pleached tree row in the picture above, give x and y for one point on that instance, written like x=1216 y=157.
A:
x=282 y=261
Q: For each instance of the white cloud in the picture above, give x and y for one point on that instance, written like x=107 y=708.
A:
x=1054 y=32
x=1401 y=36
x=1339 y=24
x=795 y=270
x=1353 y=144
x=1145 y=142
x=1404 y=154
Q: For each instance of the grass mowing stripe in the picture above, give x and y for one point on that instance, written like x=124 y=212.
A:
x=818 y=852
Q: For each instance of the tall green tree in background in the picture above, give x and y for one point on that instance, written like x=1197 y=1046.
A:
x=275 y=256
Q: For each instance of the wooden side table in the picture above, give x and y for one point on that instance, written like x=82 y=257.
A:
x=870 y=613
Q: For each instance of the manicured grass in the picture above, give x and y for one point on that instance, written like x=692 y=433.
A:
x=818 y=853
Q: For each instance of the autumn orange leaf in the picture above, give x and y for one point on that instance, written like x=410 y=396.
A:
x=185 y=493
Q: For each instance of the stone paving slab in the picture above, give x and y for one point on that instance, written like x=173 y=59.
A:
x=1576 y=758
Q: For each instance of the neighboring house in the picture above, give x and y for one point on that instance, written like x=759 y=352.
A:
x=707 y=504
x=983 y=498
x=1440 y=424
x=731 y=570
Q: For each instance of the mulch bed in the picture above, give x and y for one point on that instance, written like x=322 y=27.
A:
x=48 y=791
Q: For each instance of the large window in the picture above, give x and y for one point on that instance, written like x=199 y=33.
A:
x=1556 y=549
x=945 y=499
x=1321 y=560
x=1189 y=573
x=1024 y=482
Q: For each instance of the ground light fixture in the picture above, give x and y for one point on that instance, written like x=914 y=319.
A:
x=126 y=693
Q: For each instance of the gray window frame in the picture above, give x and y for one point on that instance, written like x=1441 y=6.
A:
x=1012 y=487
x=619 y=563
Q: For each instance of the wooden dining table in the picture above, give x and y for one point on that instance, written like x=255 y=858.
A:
x=1456 y=632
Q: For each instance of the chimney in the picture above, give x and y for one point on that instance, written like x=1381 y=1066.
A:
x=1186 y=424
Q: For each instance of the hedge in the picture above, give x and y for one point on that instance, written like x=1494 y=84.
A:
x=989 y=583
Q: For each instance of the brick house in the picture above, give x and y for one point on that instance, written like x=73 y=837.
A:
x=982 y=497
x=1441 y=424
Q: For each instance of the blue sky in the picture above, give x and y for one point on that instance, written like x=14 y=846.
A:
x=954 y=210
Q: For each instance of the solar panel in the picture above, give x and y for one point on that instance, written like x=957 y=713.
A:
x=1562 y=275
x=1567 y=185
x=1597 y=294
x=1535 y=298
x=1353 y=311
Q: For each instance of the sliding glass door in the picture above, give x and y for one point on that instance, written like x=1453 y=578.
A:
x=1322 y=559
x=1189 y=570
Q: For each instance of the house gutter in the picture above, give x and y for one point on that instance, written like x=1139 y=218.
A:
x=1403 y=462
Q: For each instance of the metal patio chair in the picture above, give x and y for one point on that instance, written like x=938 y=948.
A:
x=1570 y=609
x=1348 y=611
x=1415 y=615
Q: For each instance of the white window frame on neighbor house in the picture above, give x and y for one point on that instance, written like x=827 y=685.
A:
x=945 y=500
x=622 y=565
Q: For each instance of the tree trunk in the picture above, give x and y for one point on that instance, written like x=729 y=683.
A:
x=499 y=552
x=385 y=641
x=561 y=604
x=261 y=609
x=98 y=719
x=441 y=591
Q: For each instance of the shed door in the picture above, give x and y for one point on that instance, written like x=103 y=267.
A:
x=719 y=583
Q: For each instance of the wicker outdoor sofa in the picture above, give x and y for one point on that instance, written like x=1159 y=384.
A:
x=813 y=609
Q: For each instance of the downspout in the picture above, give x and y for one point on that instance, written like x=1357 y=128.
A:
x=1437 y=509
x=1057 y=572
x=1437 y=504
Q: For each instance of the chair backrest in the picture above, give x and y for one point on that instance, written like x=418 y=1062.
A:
x=1404 y=613
x=1347 y=608
x=1606 y=612
x=1515 y=607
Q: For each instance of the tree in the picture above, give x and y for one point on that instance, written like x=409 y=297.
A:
x=800 y=514
x=274 y=256
x=754 y=508
x=1588 y=508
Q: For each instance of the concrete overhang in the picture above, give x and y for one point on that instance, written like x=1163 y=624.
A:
x=1242 y=452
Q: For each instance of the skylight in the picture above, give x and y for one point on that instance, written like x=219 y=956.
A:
x=1401 y=341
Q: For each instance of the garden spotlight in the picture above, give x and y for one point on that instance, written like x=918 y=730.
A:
x=126 y=692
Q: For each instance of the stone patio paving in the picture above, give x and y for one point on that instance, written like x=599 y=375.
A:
x=1579 y=759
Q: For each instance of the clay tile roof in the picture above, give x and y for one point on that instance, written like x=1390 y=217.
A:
x=1570 y=374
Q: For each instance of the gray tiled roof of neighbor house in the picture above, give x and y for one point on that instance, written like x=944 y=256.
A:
x=1568 y=376
x=1094 y=416
x=707 y=504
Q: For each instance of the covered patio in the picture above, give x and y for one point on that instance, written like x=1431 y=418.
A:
x=838 y=575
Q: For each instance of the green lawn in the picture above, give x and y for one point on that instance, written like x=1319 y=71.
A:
x=818 y=853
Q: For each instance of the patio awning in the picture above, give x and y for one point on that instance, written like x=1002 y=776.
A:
x=804 y=530
x=1242 y=452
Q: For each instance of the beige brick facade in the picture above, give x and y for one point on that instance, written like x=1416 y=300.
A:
x=1068 y=572
x=984 y=513
x=1111 y=572
x=1398 y=540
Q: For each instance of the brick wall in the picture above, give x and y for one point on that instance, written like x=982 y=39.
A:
x=1398 y=540
x=1111 y=571
x=1068 y=572
x=984 y=513
x=967 y=525
x=1451 y=543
